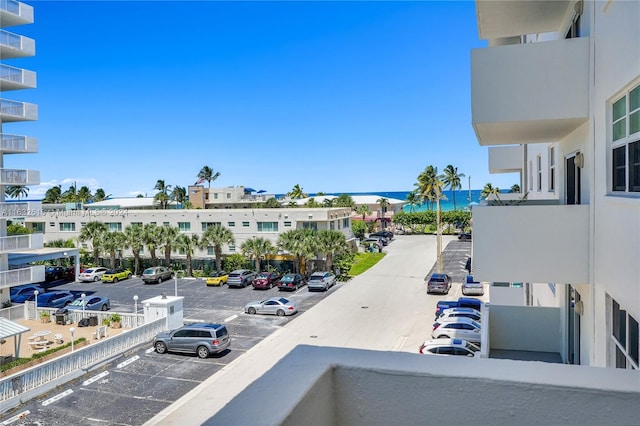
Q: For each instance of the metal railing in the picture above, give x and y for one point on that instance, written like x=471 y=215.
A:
x=14 y=277
x=10 y=6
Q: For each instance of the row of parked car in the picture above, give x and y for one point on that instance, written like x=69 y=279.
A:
x=57 y=299
x=322 y=280
x=441 y=283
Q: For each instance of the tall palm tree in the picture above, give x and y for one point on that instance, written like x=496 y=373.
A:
x=151 y=239
x=257 y=249
x=328 y=202
x=206 y=173
x=452 y=181
x=412 y=200
x=179 y=195
x=426 y=184
x=53 y=195
x=301 y=243
x=84 y=194
x=331 y=243
x=188 y=244
x=489 y=190
x=100 y=195
x=134 y=238
x=515 y=188
x=71 y=194
x=112 y=243
x=162 y=197
x=297 y=192
x=384 y=204
x=16 y=191
x=168 y=237
x=216 y=236
x=363 y=210
x=94 y=232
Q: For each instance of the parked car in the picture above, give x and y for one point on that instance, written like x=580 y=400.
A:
x=240 y=278
x=22 y=293
x=202 y=339
x=54 y=273
x=458 y=328
x=462 y=302
x=274 y=306
x=465 y=236
x=448 y=347
x=54 y=299
x=472 y=287
x=217 y=278
x=439 y=283
x=291 y=282
x=92 y=274
x=386 y=234
x=156 y=274
x=321 y=281
x=265 y=280
x=459 y=312
x=380 y=240
x=115 y=275
x=91 y=303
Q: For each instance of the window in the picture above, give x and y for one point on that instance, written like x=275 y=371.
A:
x=345 y=223
x=625 y=145
x=67 y=227
x=267 y=226
x=181 y=251
x=82 y=224
x=184 y=226
x=552 y=169
x=136 y=224
x=530 y=175
x=114 y=226
x=539 y=172
x=626 y=337
x=245 y=224
x=287 y=223
x=228 y=195
x=205 y=225
x=310 y=225
x=215 y=196
x=232 y=247
x=210 y=251
x=167 y=224
x=332 y=225
x=231 y=224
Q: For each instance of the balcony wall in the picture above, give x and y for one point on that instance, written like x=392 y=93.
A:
x=19 y=177
x=17 y=144
x=534 y=243
x=14 y=277
x=16 y=46
x=21 y=242
x=529 y=93
x=20 y=209
x=12 y=78
x=15 y=13
x=17 y=111
x=506 y=159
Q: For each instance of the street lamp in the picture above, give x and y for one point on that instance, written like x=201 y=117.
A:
x=176 y=284
x=72 y=330
x=35 y=294
x=83 y=297
x=135 y=309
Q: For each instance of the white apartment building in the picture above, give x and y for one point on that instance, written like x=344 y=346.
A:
x=556 y=98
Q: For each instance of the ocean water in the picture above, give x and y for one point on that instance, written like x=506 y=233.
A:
x=461 y=197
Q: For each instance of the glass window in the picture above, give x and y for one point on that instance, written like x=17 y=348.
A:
x=634 y=111
x=552 y=169
x=167 y=224
x=287 y=224
x=210 y=251
x=267 y=226
x=625 y=155
x=67 y=226
x=619 y=119
x=245 y=224
x=539 y=172
x=114 y=226
x=634 y=166
x=619 y=168
x=634 y=338
x=205 y=225
x=231 y=224
x=310 y=225
x=184 y=226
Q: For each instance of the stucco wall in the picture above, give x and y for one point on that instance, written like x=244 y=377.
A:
x=525 y=328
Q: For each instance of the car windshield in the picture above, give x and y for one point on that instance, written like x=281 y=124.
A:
x=287 y=279
x=110 y=271
x=262 y=276
x=148 y=271
x=437 y=279
x=315 y=278
x=76 y=303
x=283 y=300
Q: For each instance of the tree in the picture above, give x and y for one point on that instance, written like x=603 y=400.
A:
x=53 y=195
x=452 y=181
x=162 y=197
x=179 y=195
x=489 y=190
x=359 y=228
x=216 y=236
x=112 y=243
x=134 y=239
x=331 y=243
x=384 y=205
x=515 y=188
x=272 y=203
x=70 y=195
x=84 y=195
x=151 y=238
x=19 y=229
x=206 y=173
x=429 y=186
x=94 y=232
x=412 y=200
x=16 y=191
x=168 y=236
x=300 y=243
x=188 y=244
x=100 y=195
x=328 y=202
x=344 y=200
x=312 y=203
x=257 y=249
x=363 y=210
x=296 y=193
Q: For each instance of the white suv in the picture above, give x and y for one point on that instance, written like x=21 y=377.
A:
x=458 y=328
x=448 y=347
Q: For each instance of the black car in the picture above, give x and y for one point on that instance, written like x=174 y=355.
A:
x=385 y=234
x=54 y=273
x=291 y=282
x=465 y=236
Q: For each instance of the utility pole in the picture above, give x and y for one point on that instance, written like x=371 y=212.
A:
x=469 y=192
x=438 y=233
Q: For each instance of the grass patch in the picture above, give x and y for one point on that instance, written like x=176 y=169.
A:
x=364 y=261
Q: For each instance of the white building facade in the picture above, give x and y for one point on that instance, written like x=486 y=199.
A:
x=556 y=98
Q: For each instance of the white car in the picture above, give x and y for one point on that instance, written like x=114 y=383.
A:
x=458 y=328
x=459 y=313
x=470 y=287
x=92 y=274
x=448 y=347
x=321 y=281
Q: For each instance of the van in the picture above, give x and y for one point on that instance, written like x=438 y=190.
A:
x=198 y=338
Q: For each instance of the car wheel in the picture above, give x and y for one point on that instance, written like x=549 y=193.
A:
x=129 y=276
x=160 y=347
x=96 y=278
x=203 y=352
x=251 y=311
x=115 y=280
x=280 y=312
x=104 y=307
x=159 y=280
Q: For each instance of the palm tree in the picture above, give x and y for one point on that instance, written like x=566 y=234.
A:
x=151 y=238
x=363 y=210
x=206 y=173
x=216 y=236
x=452 y=181
x=168 y=236
x=162 y=197
x=344 y=200
x=16 y=191
x=179 y=195
x=84 y=194
x=93 y=232
x=297 y=192
x=112 y=243
x=134 y=238
x=427 y=181
x=100 y=195
x=515 y=188
x=328 y=202
x=489 y=190
x=331 y=243
x=53 y=195
x=257 y=249
x=301 y=243
x=188 y=244
x=412 y=200
x=272 y=203
x=70 y=195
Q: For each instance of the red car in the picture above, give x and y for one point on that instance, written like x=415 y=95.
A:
x=265 y=280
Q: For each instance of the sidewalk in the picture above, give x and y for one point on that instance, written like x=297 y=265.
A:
x=384 y=309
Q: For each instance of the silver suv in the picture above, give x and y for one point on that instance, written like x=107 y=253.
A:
x=240 y=278
x=156 y=274
x=198 y=338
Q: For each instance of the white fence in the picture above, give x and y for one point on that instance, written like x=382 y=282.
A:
x=13 y=313
x=127 y=320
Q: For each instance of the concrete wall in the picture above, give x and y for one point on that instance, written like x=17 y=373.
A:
x=525 y=328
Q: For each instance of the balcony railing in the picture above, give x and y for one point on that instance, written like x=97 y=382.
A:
x=17 y=111
x=14 y=277
x=15 y=13
x=21 y=242
x=20 y=209
x=16 y=46
x=19 y=177
x=536 y=243
x=12 y=78
x=15 y=144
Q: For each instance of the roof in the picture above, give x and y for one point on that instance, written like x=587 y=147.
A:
x=358 y=199
x=124 y=203
x=9 y=328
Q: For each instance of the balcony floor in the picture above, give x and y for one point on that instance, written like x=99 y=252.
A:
x=551 y=357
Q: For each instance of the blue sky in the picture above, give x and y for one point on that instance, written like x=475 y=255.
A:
x=333 y=96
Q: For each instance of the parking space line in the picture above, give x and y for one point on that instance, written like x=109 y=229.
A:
x=15 y=418
x=57 y=397
x=231 y=318
x=129 y=361
x=95 y=378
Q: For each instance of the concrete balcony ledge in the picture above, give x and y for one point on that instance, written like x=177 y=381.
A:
x=15 y=45
x=12 y=78
x=21 y=242
x=17 y=111
x=19 y=177
x=15 y=13
x=17 y=144
x=14 y=277
x=20 y=209
x=338 y=386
